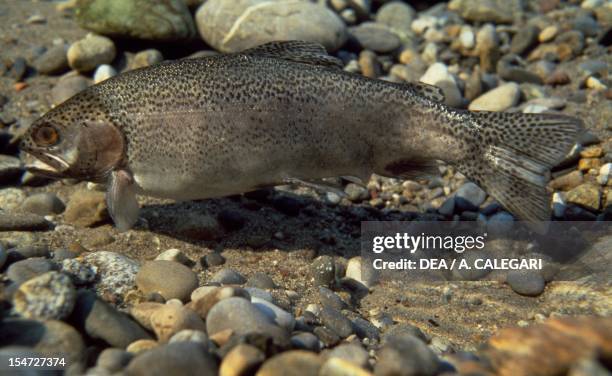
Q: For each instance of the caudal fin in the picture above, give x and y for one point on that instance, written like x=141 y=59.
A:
x=513 y=156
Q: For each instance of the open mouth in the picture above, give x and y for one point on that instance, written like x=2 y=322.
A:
x=48 y=165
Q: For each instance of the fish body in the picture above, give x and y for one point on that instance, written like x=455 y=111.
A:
x=228 y=124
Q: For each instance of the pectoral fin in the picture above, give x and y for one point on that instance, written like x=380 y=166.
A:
x=121 y=200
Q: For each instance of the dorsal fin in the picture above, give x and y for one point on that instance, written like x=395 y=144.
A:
x=297 y=51
x=433 y=93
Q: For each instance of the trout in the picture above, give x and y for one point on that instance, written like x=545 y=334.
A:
x=284 y=112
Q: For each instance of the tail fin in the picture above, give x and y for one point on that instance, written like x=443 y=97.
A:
x=513 y=158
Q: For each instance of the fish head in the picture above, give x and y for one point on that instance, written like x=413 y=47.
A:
x=72 y=143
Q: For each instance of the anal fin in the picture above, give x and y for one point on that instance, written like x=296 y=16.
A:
x=121 y=200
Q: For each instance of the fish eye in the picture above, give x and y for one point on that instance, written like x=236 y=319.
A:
x=46 y=136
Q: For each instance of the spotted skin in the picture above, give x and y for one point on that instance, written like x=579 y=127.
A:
x=215 y=126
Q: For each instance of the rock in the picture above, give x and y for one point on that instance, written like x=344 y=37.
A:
x=276 y=314
x=375 y=37
x=178 y=358
x=18 y=69
x=350 y=352
x=524 y=40
x=306 y=341
x=146 y=58
x=10 y=169
x=519 y=351
x=438 y=75
x=161 y=21
x=174 y=255
x=567 y=181
x=191 y=335
x=497 y=11
x=469 y=197
x=498 y=99
x=3 y=256
x=171 y=319
x=406 y=355
x=236 y=26
x=548 y=33
x=509 y=68
x=569 y=44
x=261 y=294
x=356 y=193
x=43 y=204
x=48 y=296
x=68 y=86
x=396 y=15
x=102 y=321
x=467 y=38
x=341 y=367
x=104 y=72
x=142 y=313
x=336 y=321
x=79 y=273
x=203 y=304
x=604 y=174
x=242 y=317
x=287 y=205
x=53 y=61
x=113 y=360
x=48 y=337
x=328 y=298
x=586 y=195
x=323 y=270
x=292 y=363
x=11 y=198
x=86 y=54
x=23 y=222
x=242 y=360
x=198 y=226
x=228 y=276
x=558 y=77
x=116 y=273
x=262 y=281
x=213 y=259
x=328 y=337
x=141 y=345
x=170 y=279
x=370 y=67
x=24 y=270
x=526 y=282
x=86 y=208
x=362 y=273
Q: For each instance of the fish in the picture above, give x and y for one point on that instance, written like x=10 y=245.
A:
x=284 y=112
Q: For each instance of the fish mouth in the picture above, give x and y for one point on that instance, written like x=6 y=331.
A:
x=48 y=165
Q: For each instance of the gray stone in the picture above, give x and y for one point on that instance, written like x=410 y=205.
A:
x=242 y=317
x=170 y=279
x=53 y=61
x=438 y=75
x=68 y=86
x=526 y=282
x=24 y=270
x=114 y=360
x=336 y=321
x=356 y=193
x=398 y=16
x=524 y=40
x=23 y=222
x=45 y=297
x=80 y=273
x=228 y=276
x=100 y=320
x=323 y=270
x=231 y=26
x=261 y=281
x=498 y=11
x=10 y=169
x=168 y=20
x=306 y=341
x=292 y=363
x=328 y=298
x=199 y=226
x=375 y=37
x=86 y=54
x=351 y=352
x=27 y=251
x=276 y=314
x=116 y=274
x=213 y=259
x=178 y=358
x=49 y=337
x=406 y=355
x=18 y=69
x=43 y=204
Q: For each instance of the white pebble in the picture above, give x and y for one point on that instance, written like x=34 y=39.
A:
x=604 y=174
x=104 y=72
x=467 y=37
